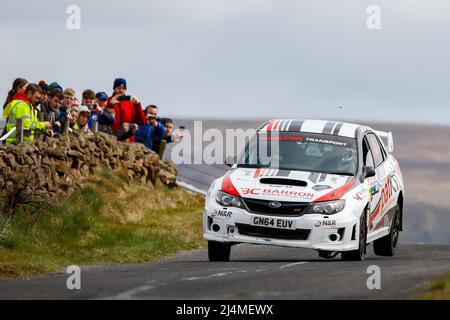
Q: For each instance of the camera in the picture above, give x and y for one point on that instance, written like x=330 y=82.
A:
x=124 y=98
x=152 y=117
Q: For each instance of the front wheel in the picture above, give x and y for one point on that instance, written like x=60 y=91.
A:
x=218 y=251
x=387 y=245
x=358 y=255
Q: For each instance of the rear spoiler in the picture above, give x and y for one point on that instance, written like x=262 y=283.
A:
x=387 y=139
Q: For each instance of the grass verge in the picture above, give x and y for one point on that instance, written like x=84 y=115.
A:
x=108 y=220
x=438 y=289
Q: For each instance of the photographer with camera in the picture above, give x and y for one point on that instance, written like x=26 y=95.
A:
x=127 y=109
x=170 y=135
x=97 y=105
x=146 y=133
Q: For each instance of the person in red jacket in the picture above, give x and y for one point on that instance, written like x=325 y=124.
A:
x=128 y=109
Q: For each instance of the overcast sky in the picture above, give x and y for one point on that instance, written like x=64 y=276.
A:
x=242 y=58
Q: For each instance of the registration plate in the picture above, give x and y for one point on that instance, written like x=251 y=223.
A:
x=273 y=222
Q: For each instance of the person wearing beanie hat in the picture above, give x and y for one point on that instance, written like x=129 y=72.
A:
x=120 y=82
x=127 y=109
x=55 y=85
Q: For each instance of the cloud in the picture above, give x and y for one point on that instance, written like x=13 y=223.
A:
x=242 y=58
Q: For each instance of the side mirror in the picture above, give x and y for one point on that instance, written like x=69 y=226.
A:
x=368 y=172
x=230 y=160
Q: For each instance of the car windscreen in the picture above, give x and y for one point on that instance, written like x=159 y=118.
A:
x=301 y=151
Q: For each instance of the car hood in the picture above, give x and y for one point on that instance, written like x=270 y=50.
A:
x=276 y=185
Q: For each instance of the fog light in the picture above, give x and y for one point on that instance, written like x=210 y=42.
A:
x=333 y=237
x=215 y=227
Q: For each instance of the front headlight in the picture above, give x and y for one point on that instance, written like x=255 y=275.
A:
x=327 y=207
x=228 y=200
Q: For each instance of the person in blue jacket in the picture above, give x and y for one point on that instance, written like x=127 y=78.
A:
x=99 y=114
x=147 y=132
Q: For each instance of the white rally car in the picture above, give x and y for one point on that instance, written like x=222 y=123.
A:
x=330 y=186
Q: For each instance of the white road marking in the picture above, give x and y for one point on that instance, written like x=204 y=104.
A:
x=292 y=264
x=221 y=274
x=128 y=295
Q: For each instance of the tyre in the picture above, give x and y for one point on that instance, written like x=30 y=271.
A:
x=387 y=245
x=218 y=251
x=358 y=255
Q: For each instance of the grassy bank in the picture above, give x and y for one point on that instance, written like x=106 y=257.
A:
x=109 y=220
x=438 y=290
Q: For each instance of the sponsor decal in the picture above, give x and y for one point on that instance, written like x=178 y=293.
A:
x=320 y=187
x=358 y=196
x=373 y=189
x=276 y=192
x=280 y=186
x=325 y=223
x=386 y=192
x=222 y=213
x=325 y=141
x=282 y=138
x=386 y=195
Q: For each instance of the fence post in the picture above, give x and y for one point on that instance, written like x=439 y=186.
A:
x=162 y=148
x=94 y=127
x=65 y=128
x=41 y=115
x=19 y=131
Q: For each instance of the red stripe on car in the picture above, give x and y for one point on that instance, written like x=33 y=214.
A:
x=336 y=194
x=277 y=123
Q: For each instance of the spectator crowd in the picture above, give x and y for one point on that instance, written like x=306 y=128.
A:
x=49 y=109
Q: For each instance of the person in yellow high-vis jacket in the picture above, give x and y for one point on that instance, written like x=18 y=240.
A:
x=21 y=107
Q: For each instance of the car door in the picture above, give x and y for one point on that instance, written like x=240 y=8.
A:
x=379 y=186
x=371 y=182
x=391 y=188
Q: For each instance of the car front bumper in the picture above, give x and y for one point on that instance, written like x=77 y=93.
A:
x=337 y=232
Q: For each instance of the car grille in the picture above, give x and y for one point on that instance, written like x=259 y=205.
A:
x=286 y=208
x=264 y=232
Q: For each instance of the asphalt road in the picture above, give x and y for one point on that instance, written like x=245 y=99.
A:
x=254 y=272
